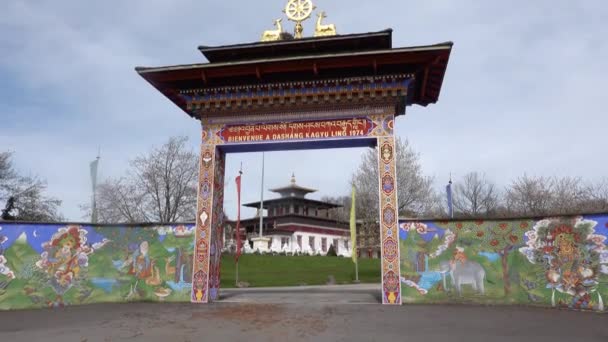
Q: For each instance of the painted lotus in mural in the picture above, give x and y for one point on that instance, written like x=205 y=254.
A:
x=556 y=261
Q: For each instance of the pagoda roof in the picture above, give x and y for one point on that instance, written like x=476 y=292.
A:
x=293 y=187
x=331 y=59
x=267 y=203
x=299 y=47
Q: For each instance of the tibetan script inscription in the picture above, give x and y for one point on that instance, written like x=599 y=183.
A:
x=306 y=130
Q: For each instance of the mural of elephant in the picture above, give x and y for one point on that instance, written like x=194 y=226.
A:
x=469 y=272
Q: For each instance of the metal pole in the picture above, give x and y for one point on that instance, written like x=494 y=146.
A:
x=237 y=274
x=262 y=198
x=357 y=271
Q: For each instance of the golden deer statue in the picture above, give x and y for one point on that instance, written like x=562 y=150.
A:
x=324 y=30
x=273 y=35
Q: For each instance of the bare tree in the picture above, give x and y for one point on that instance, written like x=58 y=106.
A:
x=568 y=196
x=7 y=173
x=530 y=196
x=597 y=196
x=118 y=200
x=343 y=212
x=475 y=196
x=159 y=187
x=27 y=194
x=415 y=191
x=416 y=196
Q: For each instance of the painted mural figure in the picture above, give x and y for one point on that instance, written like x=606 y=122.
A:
x=571 y=253
x=63 y=259
x=459 y=256
x=140 y=266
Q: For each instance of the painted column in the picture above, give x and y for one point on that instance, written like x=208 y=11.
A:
x=389 y=235
x=217 y=226
x=209 y=200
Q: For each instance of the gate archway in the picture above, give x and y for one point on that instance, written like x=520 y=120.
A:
x=312 y=93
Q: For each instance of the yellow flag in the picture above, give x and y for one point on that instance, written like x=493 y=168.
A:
x=353 y=227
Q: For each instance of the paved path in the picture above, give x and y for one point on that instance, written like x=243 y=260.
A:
x=337 y=294
x=240 y=317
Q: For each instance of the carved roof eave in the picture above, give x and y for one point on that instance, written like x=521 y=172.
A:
x=389 y=91
x=292 y=199
x=393 y=105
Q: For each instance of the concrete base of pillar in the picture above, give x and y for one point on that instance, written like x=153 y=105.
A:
x=261 y=244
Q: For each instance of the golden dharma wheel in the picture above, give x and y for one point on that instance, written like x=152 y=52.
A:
x=299 y=10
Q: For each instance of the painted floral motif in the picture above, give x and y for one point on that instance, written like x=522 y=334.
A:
x=201 y=250
x=207 y=157
x=386 y=153
x=390 y=250
x=391 y=282
x=388 y=184
x=419 y=227
x=389 y=216
x=199 y=287
x=205 y=190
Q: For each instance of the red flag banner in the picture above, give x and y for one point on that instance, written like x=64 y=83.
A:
x=238 y=219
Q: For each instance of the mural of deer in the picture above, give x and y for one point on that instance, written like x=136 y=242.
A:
x=324 y=30
x=272 y=35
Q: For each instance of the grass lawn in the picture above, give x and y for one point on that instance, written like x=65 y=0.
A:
x=267 y=270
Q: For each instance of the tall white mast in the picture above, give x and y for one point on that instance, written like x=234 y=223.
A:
x=261 y=213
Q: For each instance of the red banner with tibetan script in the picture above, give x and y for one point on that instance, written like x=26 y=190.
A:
x=305 y=130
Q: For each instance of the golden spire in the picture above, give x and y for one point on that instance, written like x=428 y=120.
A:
x=298 y=11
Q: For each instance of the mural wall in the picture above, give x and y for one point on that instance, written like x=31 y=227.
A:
x=56 y=265
x=559 y=262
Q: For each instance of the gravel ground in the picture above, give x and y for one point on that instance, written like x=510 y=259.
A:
x=308 y=315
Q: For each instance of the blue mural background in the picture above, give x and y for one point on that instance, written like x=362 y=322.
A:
x=51 y=265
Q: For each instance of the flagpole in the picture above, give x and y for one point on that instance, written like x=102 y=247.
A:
x=357 y=272
x=93 y=169
x=353 y=233
x=237 y=271
x=449 y=195
x=262 y=198
x=238 y=230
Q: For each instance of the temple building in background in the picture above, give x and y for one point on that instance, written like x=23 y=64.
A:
x=296 y=224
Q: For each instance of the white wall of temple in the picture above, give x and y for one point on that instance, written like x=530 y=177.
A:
x=312 y=243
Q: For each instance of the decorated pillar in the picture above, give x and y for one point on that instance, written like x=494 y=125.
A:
x=207 y=246
x=389 y=235
x=217 y=226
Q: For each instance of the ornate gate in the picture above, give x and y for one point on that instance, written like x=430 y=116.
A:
x=312 y=93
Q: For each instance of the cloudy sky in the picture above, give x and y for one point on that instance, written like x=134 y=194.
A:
x=524 y=90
